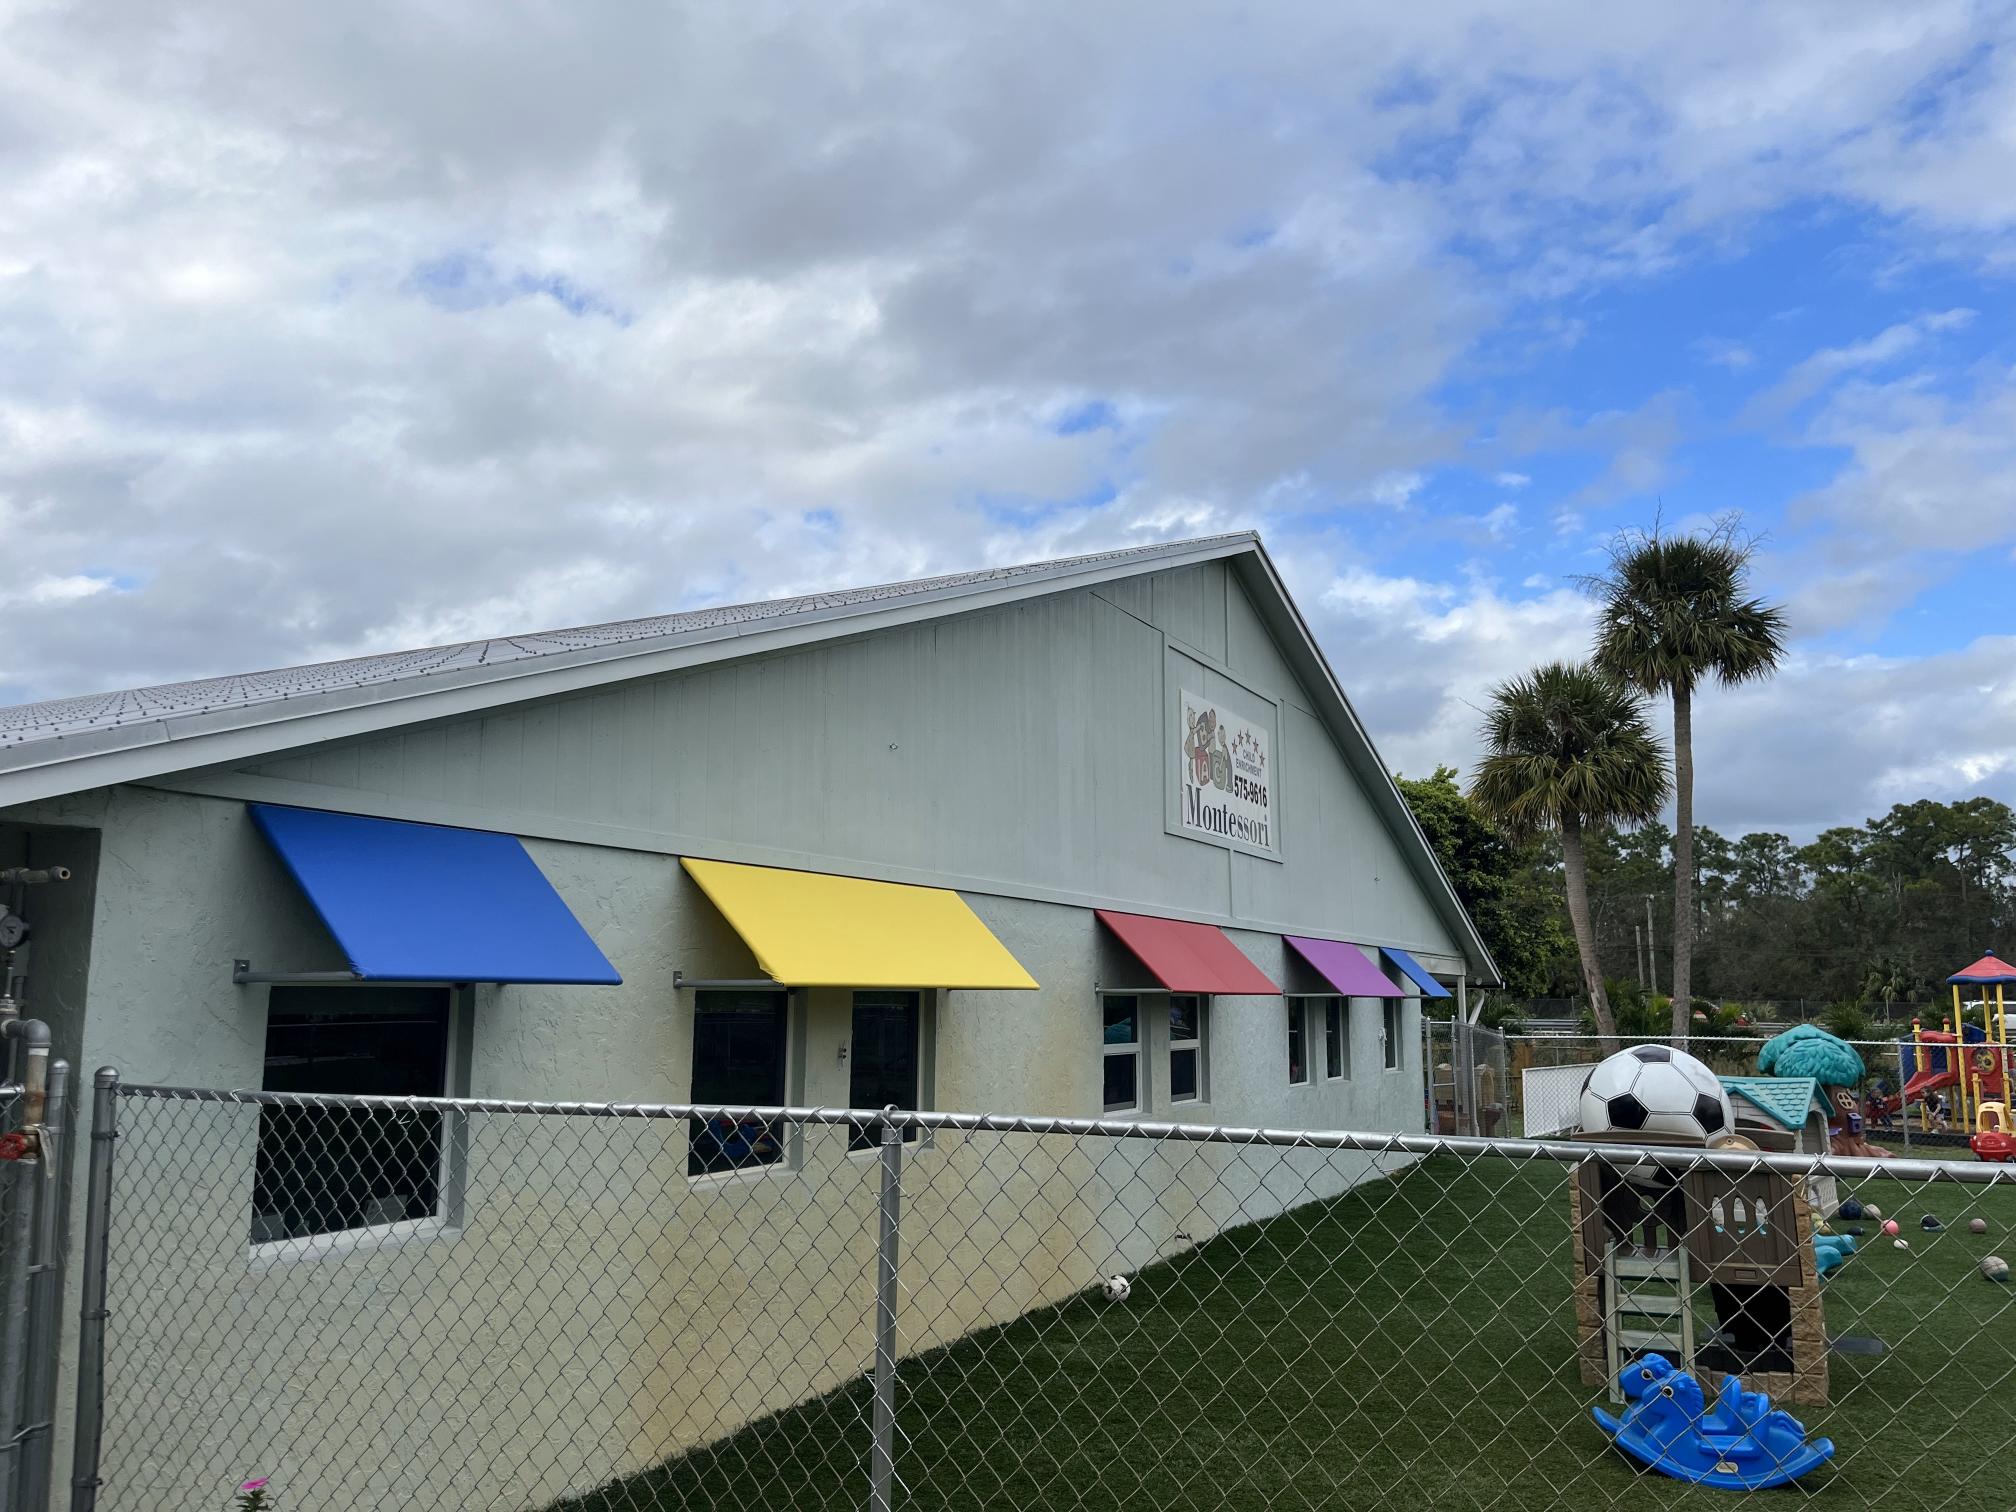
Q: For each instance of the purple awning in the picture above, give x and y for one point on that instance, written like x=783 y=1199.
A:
x=1344 y=967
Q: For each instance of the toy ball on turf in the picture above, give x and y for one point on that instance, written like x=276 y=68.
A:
x=1930 y=1224
x=1994 y=1268
x=1117 y=1288
x=1851 y=1209
x=1870 y=1210
x=1977 y=1226
x=1656 y=1091
x=1890 y=1227
x=1902 y=1244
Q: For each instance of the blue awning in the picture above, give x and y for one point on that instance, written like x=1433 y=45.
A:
x=424 y=903
x=1418 y=973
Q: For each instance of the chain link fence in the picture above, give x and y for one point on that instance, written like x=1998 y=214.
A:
x=467 y=1304
x=1542 y=1106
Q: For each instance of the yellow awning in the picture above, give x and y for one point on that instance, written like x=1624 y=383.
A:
x=812 y=930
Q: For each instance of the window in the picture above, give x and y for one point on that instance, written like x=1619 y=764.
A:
x=1336 y=1039
x=1390 y=1034
x=1298 y=1064
x=1121 y=1019
x=1186 y=1048
x=883 y=1063
x=738 y=1061
x=324 y=1170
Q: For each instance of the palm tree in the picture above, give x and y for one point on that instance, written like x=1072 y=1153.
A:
x=1567 y=748
x=1673 y=612
x=1888 y=981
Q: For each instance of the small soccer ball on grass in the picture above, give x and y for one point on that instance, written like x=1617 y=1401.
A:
x=1870 y=1210
x=1977 y=1225
x=1994 y=1268
x=1659 y=1092
x=1851 y=1209
x=1116 y=1288
x=1890 y=1227
x=1930 y=1224
x=1902 y=1244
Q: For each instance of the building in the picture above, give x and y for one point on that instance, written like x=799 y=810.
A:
x=1098 y=835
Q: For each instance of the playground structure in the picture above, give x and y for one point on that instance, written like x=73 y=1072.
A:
x=1973 y=1061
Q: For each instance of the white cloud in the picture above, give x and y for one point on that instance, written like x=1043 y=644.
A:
x=1723 y=352
x=1420 y=657
x=1926 y=471
x=370 y=325
x=1826 y=367
x=46 y=592
x=1395 y=490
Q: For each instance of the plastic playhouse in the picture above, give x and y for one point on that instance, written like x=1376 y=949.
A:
x=1643 y=1245
x=1741 y=1443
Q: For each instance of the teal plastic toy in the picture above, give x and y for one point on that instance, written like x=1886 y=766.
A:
x=1742 y=1443
x=1831 y=1252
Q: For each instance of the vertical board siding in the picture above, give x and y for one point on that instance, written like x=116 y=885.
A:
x=1028 y=745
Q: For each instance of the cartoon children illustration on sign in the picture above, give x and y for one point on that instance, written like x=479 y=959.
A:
x=1210 y=761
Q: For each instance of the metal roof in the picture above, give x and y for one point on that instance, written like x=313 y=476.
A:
x=61 y=718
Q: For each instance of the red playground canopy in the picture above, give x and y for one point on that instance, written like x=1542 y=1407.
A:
x=1987 y=971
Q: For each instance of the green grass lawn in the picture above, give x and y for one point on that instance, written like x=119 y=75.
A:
x=1408 y=1346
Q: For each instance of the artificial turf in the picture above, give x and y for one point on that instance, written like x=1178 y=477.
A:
x=1410 y=1346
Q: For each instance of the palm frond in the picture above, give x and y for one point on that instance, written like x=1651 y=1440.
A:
x=1567 y=741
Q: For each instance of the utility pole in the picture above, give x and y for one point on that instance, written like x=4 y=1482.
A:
x=1651 y=948
x=1638 y=941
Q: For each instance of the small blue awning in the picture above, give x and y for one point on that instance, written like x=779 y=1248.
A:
x=425 y=903
x=1416 y=972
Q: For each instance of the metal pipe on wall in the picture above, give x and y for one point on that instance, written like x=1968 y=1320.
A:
x=23 y=1186
x=45 y=1297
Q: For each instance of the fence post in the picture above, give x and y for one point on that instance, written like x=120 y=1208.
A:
x=92 y=1311
x=882 y=1457
x=45 y=1283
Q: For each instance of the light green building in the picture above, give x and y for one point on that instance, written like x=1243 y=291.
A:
x=1129 y=779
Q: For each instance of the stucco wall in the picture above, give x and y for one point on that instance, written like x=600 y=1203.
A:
x=1024 y=750
x=582 y=1321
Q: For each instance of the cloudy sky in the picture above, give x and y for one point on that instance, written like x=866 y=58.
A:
x=342 y=328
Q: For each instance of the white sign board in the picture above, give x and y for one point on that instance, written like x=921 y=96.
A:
x=1225 y=775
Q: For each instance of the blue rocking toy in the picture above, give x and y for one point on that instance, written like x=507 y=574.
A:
x=1741 y=1443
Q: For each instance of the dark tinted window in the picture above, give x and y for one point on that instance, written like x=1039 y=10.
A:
x=1121 y=1031
x=738 y=1060
x=1186 y=1047
x=882 y=1065
x=321 y=1170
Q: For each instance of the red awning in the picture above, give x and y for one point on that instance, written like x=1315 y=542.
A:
x=1189 y=957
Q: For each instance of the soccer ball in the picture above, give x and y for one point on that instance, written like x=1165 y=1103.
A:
x=1994 y=1268
x=1117 y=1288
x=1654 y=1090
